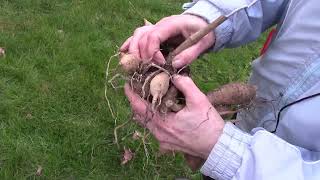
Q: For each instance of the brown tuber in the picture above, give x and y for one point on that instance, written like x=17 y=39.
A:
x=159 y=86
x=171 y=96
x=129 y=62
x=232 y=94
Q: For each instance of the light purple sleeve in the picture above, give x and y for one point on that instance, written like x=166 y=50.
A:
x=245 y=25
x=262 y=156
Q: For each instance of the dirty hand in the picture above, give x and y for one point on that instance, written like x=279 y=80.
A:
x=146 y=40
x=193 y=130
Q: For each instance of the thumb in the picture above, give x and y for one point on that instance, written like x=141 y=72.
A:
x=191 y=92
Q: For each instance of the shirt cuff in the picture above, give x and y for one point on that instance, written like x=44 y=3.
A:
x=210 y=12
x=226 y=156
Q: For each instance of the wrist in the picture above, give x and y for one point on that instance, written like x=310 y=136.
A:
x=216 y=133
x=226 y=156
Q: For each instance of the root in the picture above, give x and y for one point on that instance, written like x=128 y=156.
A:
x=154 y=101
x=147 y=83
x=144 y=145
x=183 y=68
x=106 y=86
x=115 y=132
x=159 y=103
x=161 y=68
x=114 y=77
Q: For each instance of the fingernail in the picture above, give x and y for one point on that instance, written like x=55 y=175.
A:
x=136 y=117
x=176 y=63
x=175 y=77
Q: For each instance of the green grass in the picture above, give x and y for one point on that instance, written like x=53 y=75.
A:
x=52 y=108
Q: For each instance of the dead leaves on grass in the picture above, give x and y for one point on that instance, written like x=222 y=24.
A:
x=2 y=52
x=127 y=153
x=39 y=171
x=136 y=135
x=127 y=156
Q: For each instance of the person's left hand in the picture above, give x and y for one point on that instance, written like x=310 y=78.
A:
x=193 y=130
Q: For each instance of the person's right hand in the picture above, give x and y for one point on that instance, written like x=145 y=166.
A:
x=193 y=130
x=146 y=40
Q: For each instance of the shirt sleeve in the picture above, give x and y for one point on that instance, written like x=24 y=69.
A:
x=252 y=17
x=262 y=156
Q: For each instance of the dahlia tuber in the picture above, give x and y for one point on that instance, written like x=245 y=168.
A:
x=159 y=86
x=129 y=62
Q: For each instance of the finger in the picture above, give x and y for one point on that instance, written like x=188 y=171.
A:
x=169 y=27
x=139 y=106
x=159 y=58
x=192 y=53
x=163 y=30
x=136 y=39
x=125 y=45
x=142 y=110
x=150 y=44
x=191 y=92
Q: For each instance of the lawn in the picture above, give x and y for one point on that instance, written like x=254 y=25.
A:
x=53 y=113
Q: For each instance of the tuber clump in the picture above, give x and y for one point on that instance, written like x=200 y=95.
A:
x=152 y=83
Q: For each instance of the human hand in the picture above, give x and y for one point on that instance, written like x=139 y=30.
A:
x=193 y=130
x=146 y=40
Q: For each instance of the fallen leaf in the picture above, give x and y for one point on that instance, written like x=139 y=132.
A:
x=2 y=52
x=127 y=156
x=136 y=135
x=39 y=171
x=29 y=116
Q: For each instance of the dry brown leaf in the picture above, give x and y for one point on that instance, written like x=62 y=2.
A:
x=127 y=156
x=29 y=116
x=136 y=135
x=2 y=52
x=39 y=171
